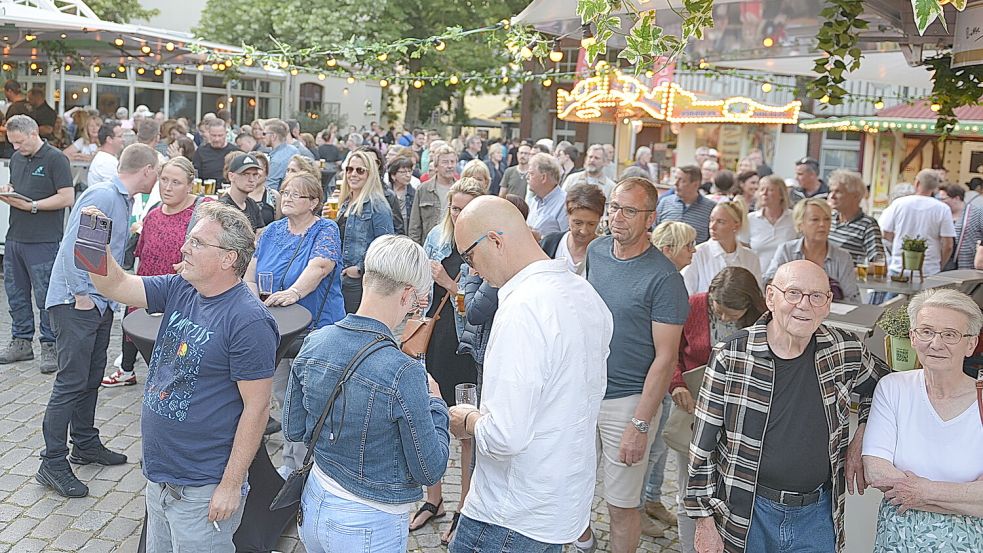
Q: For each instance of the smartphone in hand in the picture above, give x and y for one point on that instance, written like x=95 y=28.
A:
x=90 y=246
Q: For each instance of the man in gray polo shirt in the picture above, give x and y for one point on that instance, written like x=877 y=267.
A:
x=687 y=205
x=43 y=174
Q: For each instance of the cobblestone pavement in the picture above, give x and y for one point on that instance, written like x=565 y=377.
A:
x=35 y=519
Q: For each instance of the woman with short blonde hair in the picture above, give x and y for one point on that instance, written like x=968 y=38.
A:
x=677 y=241
x=477 y=170
x=722 y=249
x=771 y=225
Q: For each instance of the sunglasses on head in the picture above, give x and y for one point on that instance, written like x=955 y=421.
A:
x=357 y=170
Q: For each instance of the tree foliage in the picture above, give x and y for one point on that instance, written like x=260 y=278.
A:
x=301 y=23
x=120 y=11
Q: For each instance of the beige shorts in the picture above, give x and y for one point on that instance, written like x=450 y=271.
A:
x=622 y=483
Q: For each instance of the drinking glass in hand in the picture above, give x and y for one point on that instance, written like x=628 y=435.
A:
x=466 y=394
x=265 y=284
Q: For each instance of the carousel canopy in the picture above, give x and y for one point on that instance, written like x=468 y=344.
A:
x=917 y=118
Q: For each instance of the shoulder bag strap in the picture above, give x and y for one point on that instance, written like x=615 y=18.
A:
x=355 y=361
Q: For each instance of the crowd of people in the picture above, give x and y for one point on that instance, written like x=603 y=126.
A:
x=604 y=318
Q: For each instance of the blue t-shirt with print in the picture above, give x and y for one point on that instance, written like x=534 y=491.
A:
x=191 y=403
x=286 y=255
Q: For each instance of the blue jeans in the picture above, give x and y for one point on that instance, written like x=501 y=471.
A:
x=657 y=458
x=334 y=524
x=480 y=537
x=177 y=520
x=778 y=528
x=26 y=269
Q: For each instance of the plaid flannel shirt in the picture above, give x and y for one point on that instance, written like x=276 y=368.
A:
x=732 y=414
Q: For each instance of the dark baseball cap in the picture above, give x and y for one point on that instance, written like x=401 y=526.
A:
x=243 y=162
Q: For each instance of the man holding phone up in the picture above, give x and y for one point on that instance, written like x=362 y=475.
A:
x=42 y=174
x=82 y=319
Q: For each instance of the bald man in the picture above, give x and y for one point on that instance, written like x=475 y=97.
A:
x=544 y=377
x=775 y=403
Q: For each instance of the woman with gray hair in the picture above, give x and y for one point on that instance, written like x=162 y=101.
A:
x=923 y=442
x=385 y=427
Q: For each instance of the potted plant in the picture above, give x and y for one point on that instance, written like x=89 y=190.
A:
x=897 y=344
x=913 y=252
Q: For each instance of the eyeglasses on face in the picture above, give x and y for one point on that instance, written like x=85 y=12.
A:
x=197 y=244
x=628 y=212
x=292 y=194
x=360 y=171
x=816 y=299
x=949 y=336
x=466 y=255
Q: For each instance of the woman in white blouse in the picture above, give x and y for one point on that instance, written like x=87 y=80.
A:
x=771 y=225
x=923 y=442
x=722 y=249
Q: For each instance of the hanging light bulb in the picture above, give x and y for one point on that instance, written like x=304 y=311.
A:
x=248 y=62
x=547 y=82
x=68 y=67
x=178 y=70
x=141 y=71
x=345 y=91
x=556 y=55
x=382 y=57
x=824 y=99
x=34 y=66
x=454 y=79
x=588 y=39
x=284 y=64
x=768 y=42
x=169 y=46
x=525 y=53
x=320 y=76
x=704 y=64
x=121 y=68
x=418 y=84
x=766 y=87
x=331 y=62
x=96 y=68
x=145 y=49
x=439 y=45
x=118 y=41
x=879 y=104
x=30 y=37
x=294 y=71
x=383 y=83
x=935 y=107
x=505 y=79
x=350 y=80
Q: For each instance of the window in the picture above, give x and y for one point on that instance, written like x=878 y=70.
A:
x=311 y=95
x=76 y=94
x=182 y=104
x=185 y=77
x=332 y=110
x=841 y=150
x=269 y=107
x=152 y=98
x=564 y=130
x=110 y=97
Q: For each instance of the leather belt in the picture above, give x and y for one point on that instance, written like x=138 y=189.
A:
x=792 y=499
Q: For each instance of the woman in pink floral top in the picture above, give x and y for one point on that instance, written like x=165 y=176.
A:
x=159 y=246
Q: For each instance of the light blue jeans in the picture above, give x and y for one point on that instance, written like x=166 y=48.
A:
x=657 y=458
x=177 y=520
x=473 y=536
x=331 y=524
x=778 y=528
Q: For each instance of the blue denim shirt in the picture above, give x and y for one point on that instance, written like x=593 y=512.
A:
x=67 y=280
x=438 y=251
x=360 y=230
x=279 y=159
x=391 y=436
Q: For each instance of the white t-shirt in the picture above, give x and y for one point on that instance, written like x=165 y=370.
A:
x=922 y=216
x=103 y=168
x=563 y=252
x=85 y=148
x=329 y=485
x=905 y=429
x=710 y=258
x=764 y=238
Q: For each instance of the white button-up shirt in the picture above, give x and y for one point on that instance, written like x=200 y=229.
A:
x=710 y=258
x=764 y=238
x=545 y=374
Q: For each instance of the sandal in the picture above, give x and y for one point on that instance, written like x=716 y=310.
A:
x=450 y=531
x=428 y=508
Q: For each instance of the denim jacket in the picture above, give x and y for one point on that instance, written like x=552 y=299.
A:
x=439 y=251
x=391 y=436
x=360 y=230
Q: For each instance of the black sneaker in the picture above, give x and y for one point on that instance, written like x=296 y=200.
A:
x=99 y=455
x=63 y=481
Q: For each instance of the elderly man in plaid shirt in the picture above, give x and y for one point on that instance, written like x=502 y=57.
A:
x=770 y=458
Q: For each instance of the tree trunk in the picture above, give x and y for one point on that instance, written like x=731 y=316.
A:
x=411 y=118
x=541 y=104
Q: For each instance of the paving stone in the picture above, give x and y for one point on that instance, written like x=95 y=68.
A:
x=30 y=545
x=52 y=526
x=71 y=540
x=17 y=529
x=91 y=520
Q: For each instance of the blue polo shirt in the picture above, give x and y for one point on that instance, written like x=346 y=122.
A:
x=696 y=214
x=549 y=214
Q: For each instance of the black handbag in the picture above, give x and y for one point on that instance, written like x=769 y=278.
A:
x=293 y=487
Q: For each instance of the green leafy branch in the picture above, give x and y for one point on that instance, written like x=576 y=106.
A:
x=952 y=88
x=839 y=40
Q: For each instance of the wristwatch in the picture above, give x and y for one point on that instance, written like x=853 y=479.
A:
x=640 y=425
x=34 y=206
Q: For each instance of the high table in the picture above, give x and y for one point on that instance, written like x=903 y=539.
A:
x=260 y=528
x=859 y=319
x=910 y=288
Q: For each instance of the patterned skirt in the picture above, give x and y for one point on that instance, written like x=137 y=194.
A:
x=923 y=531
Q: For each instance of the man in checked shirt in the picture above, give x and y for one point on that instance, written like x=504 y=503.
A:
x=770 y=460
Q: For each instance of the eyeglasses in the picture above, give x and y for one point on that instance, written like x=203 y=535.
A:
x=628 y=212
x=360 y=171
x=816 y=299
x=290 y=195
x=198 y=244
x=949 y=336
x=404 y=172
x=466 y=254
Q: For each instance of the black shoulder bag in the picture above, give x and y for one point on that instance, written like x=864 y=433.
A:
x=293 y=487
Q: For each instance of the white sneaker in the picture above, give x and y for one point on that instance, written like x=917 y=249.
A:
x=118 y=363
x=581 y=547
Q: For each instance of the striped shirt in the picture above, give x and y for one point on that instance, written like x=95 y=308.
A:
x=732 y=415
x=696 y=214
x=861 y=237
x=969 y=229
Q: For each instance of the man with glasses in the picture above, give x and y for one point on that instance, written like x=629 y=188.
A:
x=244 y=172
x=773 y=423
x=207 y=397
x=548 y=205
x=82 y=319
x=543 y=382
x=646 y=295
x=687 y=205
